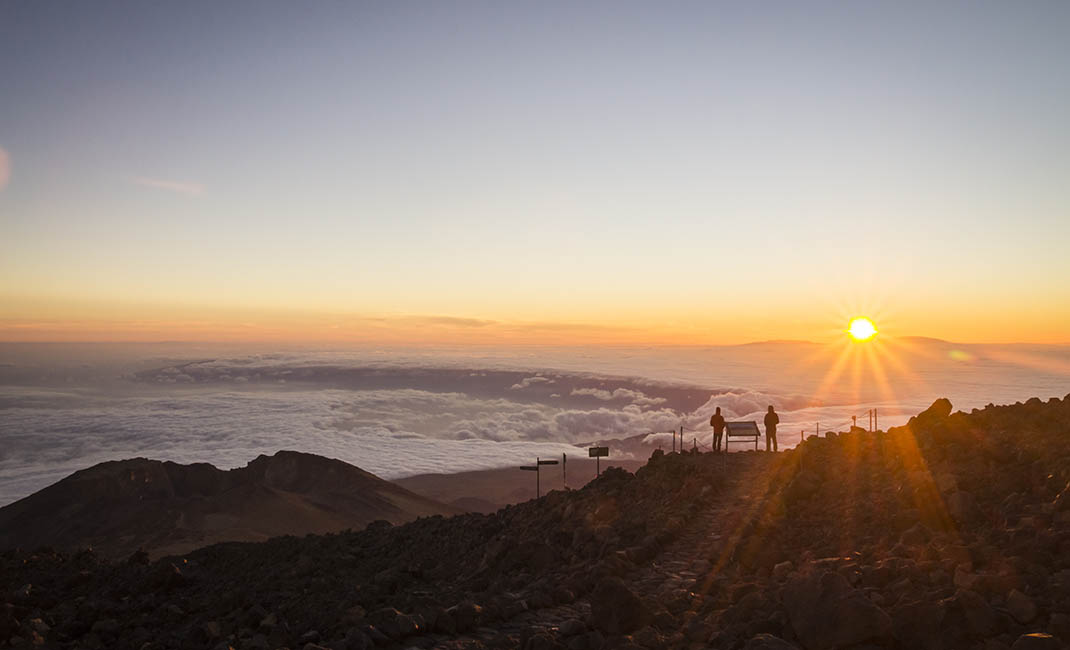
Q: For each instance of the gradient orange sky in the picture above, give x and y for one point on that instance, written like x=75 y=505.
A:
x=601 y=173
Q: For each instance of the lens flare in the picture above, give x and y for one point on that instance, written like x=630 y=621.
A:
x=862 y=329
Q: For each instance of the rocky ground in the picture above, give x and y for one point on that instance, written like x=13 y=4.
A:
x=951 y=532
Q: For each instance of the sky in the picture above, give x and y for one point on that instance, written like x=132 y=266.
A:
x=467 y=172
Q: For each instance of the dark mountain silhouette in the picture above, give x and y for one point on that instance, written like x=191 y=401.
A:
x=118 y=507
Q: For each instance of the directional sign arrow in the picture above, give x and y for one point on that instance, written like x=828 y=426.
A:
x=529 y=468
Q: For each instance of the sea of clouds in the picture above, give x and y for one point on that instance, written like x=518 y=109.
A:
x=397 y=415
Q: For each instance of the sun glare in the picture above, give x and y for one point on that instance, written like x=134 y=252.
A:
x=862 y=329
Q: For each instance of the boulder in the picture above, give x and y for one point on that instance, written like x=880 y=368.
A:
x=1021 y=607
x=388 y=621
x=938 y=411
x=917 y=624
x=615 y=609
x=827 y=613
x=465 y=616
x=915 y=536
x=782 y=569
x=980 y=620
x=572 y=627
x=1036 y=641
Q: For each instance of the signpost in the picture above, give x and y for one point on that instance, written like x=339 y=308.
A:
x=535 y=468
x=597 y=453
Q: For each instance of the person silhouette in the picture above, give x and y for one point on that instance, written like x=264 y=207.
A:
x=771 y=420
x=717 y=422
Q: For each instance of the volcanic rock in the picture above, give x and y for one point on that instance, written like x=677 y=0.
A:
x=1021 y=607
x=827 y=613
x=1036 y=641
x=615 y=608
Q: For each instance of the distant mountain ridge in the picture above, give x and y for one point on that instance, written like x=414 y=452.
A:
x=118 y=507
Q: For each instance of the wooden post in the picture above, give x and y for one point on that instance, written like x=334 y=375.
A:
x=564 y=478
x=854 y=421
x=875 y=420
x=533 y=468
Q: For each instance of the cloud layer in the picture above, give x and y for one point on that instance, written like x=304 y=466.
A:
x=392 y=416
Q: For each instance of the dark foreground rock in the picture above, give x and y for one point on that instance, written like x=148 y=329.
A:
x=826 y=612
x=615 y=609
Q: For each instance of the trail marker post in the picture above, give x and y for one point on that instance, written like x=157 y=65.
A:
x=538 y=463
x=597 y=453
x=564 y=478
x=535 y=468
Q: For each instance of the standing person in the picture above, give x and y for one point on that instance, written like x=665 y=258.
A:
x=717 y=422
x=771 y=420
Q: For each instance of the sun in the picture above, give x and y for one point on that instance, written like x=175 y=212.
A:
x=862 y=329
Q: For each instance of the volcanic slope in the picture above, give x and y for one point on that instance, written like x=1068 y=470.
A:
x=166 y=508
x=950 y=532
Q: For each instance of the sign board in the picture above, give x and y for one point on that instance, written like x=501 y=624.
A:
x=547 y=462
x=741 y=428
x=597 y=452
x=747 y=430
x=529 y=468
